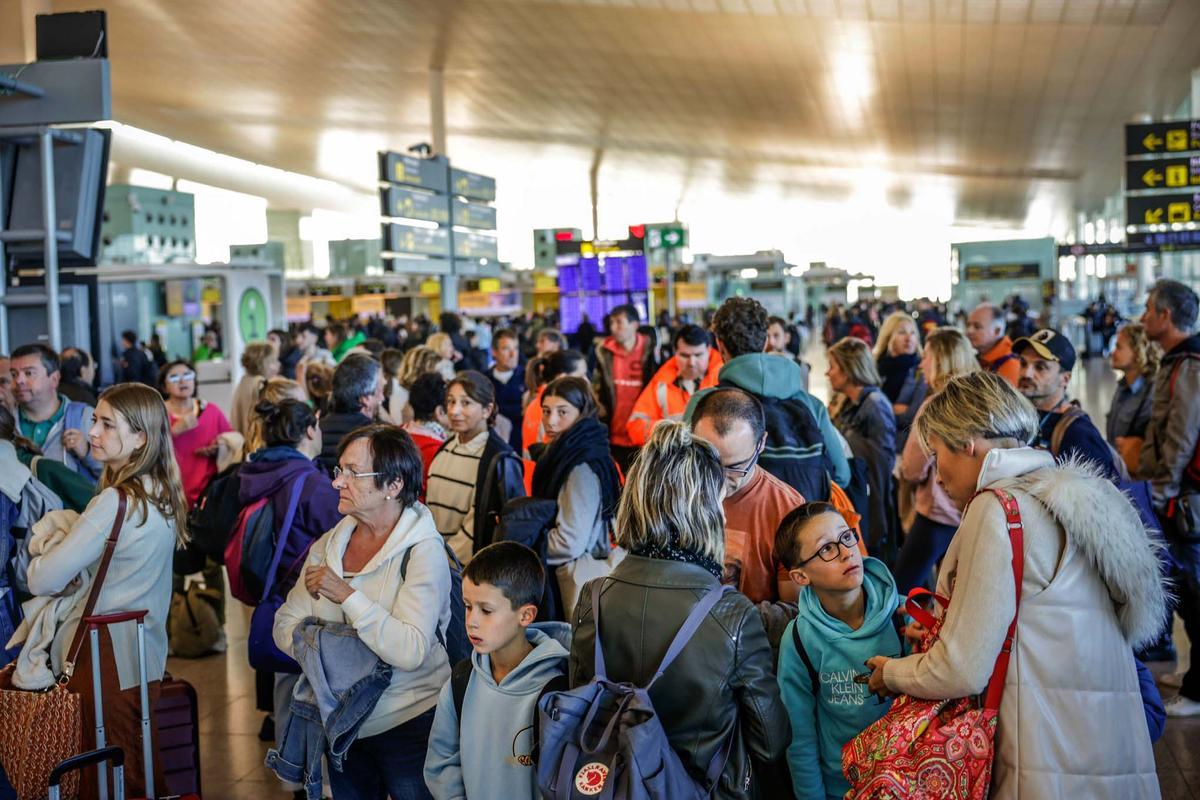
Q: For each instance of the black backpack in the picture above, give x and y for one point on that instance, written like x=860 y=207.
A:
x=527 y=521
x=795 y=449
x=215 y=516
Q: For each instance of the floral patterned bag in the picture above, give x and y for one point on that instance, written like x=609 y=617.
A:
x=936 y=749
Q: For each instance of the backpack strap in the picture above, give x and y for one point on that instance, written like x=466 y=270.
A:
x=1016 y=533
x=282 y=537
x=558 y=683
x=450 y=557
x=1072 y=415
x=808 y=664
x=460 y=678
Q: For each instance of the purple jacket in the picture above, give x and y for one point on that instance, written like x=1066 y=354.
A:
x=270 y=472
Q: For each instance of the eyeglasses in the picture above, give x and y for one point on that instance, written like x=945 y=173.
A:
x=179 y=377
x=831 y=550
x=744 y=468
x=339 y=472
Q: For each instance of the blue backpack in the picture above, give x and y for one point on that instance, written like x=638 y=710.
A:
x=454 y=638
x=604 y=739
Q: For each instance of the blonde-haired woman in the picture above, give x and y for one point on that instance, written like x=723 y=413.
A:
x=131 y=437
x=867 y=422
x=1090 y=592
x=898 y=358
x=415 y=363
x=670 y=519
x=1137 y=358
x=261 y=363
x=274 y=391
x=443 y=345
x=947 y=355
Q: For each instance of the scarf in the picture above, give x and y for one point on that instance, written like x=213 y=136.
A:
x=673 y=552
x=895 y=371
x=585 y=442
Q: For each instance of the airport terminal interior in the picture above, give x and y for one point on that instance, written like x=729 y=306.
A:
x=890 y=243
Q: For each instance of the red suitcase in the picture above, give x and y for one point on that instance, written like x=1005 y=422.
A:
x=178 y=736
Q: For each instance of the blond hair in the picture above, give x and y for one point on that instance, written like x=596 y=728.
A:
x=672 y=495
x=888 y=330
x=979 y=405
x=151 y=476
x=435 y=342
x=855 y=360
x=1146 y=354
x=417 y=362
x=951 y=354
x=273 y=391
x=256 y=356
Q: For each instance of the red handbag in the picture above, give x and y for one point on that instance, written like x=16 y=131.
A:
x=937 y=749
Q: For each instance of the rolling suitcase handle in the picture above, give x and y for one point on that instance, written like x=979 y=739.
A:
x=114 y=754
x=94 y=623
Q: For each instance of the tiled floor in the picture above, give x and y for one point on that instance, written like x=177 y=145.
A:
x=232 y=756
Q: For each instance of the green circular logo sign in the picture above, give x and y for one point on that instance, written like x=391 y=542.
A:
x=252 y=316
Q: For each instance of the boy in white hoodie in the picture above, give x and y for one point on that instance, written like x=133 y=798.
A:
x=484 y=732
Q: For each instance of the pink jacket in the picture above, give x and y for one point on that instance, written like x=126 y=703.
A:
x=916 y=467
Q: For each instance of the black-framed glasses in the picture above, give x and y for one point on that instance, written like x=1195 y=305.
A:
x=743 y=468
x=349 y=473
x=831 y=550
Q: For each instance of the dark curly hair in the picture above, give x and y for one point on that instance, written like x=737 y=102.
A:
x=740 y=325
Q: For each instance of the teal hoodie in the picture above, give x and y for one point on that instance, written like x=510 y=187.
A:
x=497 y=725
x=822 y=725
x=770 y=375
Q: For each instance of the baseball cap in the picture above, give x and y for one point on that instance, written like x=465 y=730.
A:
x=1050 y=345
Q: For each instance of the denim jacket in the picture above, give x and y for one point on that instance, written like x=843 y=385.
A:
x=341 y=682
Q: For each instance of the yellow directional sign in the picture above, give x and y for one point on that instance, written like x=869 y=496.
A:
x=1152 y=177
x=1179 y=212
x=1162 y=209
x=1152 y=142
x=1162 y=137
x=1177 y=139
x=1152 y=217
x=1178 y=172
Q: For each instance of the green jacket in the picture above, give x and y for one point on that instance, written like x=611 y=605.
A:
x=73 y=489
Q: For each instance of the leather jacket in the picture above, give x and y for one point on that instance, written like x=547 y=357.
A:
x=722 y=684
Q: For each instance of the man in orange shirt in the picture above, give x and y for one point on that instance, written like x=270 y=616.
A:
x=624 y=364
x=755 y=500
x=694 y=367
x=985 y=330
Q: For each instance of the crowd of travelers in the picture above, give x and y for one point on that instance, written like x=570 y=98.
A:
x=785 y=584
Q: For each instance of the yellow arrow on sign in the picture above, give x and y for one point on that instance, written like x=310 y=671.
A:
x=1152 y=142
x=1154 y=217
x=1151 y=177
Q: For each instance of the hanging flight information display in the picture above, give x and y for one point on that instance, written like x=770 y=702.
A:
x=597 y=282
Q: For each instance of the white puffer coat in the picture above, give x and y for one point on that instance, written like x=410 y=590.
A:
x=1071 y=719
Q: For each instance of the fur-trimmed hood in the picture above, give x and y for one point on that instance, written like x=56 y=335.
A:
x=1101 y=522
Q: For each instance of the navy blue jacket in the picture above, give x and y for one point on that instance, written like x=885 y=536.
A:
x=508 y=401
x=1082 y=439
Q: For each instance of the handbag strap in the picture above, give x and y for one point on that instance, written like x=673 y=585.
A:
x=281 y=540
x=1016 y=534
x=110 y=544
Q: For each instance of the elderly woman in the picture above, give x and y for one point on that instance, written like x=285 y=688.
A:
x=898 y=359
x=261 y=363
x=947 y=355
x=1071 y=718
x=382 y=570
x=722 y=684
x=867 y=422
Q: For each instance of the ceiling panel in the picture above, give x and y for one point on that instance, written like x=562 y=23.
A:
x=1002 y=101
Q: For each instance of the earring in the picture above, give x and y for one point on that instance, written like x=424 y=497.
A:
x=387 y=497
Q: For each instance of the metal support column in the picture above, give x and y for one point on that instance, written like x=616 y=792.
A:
x=437 y=124
x=50 y=223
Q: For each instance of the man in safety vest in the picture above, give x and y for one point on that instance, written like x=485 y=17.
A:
x=985 y=331
x=694 y=367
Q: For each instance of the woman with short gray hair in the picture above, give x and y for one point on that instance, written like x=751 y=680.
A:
x=1071 y=720
x=722 y=685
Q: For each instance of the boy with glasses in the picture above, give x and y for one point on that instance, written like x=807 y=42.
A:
x=732 y=421
x=847 y=614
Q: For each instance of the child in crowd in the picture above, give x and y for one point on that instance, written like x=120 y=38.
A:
x=488 y=708
x=847 y=607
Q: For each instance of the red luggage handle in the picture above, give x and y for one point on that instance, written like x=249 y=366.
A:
x=103 y=620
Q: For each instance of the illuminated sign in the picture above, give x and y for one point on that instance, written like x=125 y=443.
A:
x=427 y=173
x=474 y=215
x=1002 y=272
x=1162 y=209
x=1162 y=137
x=396 y=201
x=419 y=241
x=475 y=245
x=1165 y=240
x=1168 y=173
x=472 y=185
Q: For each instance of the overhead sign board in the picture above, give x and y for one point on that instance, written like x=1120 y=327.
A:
x=472 y=185
x=1156 y=138
x=426 y=173
x=1165 y=240
x=666 y=237
x=1002 y=272
x=474 y=215
x=396 y=201
x=1162 y=208
x=1166 y=173
x=399 y=238
x=475 y=245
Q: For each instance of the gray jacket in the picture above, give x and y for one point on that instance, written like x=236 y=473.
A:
x=342 y=681
x=1129 y=414
x=1174 y=426
x=77 y=416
